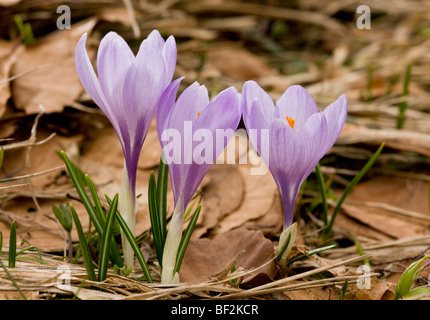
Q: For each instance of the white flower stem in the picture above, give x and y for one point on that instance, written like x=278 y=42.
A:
x=282 y=242
x=171 y=246
x=127 y=208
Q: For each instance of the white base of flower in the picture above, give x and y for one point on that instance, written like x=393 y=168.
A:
x=171 y=246
x=282 y=241
x=127 y=208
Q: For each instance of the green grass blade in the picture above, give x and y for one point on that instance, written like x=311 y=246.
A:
x=323 y=192
x=134 y=245
x=1 y=243
x=84 y=246
x=155 y=218
x=186 y=238
x=162 y=181
x=354 y=181
x=12 y=245
x=105 y=246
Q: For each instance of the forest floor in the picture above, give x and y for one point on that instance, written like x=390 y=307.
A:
x=381 y=62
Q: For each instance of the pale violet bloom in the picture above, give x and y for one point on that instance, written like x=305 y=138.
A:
x=291 y=136
x=127 y=88
x=193 y=131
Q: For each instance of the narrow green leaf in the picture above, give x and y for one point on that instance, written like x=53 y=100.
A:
x=78 y=179
x=12 y=245
x=155 y=219
x=39 y=253
x=97 y=204
x=186 y=239
x=1 y=157
x=420 y=291
x=360 y=251
x=403 y=105
x=105 y=246
x=342 y=293
x=80 y=188
x=1 y=243
x=407 y=279
x=354 y=181
x=162 y=181
x=323 y=192
x=84 y=246
x=64 y=216
x=311 y=252
x=134 y=245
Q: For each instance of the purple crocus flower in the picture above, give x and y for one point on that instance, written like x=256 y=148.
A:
x=193 y=132
x=291 y=136
x=128 y=89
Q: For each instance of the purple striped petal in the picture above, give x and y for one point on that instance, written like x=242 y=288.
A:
x=195 y=120
x=128 y=88
x=297 y=104
x=299 y=135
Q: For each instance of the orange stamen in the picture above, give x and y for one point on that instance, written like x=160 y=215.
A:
x=198 y=113
x=291 y=121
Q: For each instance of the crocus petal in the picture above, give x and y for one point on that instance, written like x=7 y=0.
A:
x=335 y=115
x=169 y=53
x=254 y=96
x=192 y=101
x=296 y=146
x=89 y=79
x=286 y=149
x=114 y=55
x=297 y=104
x=166 y=103
x=257 y=112
x=314 y=140
x=221 y=114
x=190 y=115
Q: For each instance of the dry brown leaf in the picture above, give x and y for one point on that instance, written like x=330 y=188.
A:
x=39 y=229
x=205 y=257
x=8 y=3
x=388 y=224
x=378 y=290
x=312 y=293
x=260 y=192
x=51 y=79
x=221 y=196
x=8 y=55
x=346 y=225
x=397 y=139
x=399 y=192
x=238 y=63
